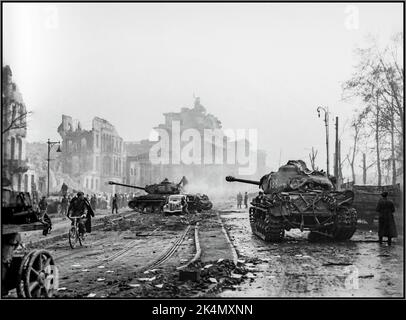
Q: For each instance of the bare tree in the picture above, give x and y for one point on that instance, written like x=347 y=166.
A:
x=17 y=122
x=378 y=81
x=356 y=125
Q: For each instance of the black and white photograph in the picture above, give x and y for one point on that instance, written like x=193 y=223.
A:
x=198 y=150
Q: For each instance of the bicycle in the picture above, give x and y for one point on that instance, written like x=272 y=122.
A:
x=74 y=234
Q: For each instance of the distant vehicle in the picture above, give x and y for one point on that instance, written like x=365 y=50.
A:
x=174 y=204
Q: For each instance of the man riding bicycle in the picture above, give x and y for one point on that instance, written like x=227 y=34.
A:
x=80 y=207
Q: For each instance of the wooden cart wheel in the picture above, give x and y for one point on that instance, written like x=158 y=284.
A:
x=21 y=275
x=40 y=275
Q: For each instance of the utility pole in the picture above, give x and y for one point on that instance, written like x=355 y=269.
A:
x=340 y=169
x=326 y=122
x=50 y=145
x=336 y=152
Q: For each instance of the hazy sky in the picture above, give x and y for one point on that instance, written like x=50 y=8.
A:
x=264 y=66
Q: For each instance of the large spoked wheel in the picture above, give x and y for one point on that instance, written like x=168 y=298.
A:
x=21 y=275
x=37 y=276
x=74 y=238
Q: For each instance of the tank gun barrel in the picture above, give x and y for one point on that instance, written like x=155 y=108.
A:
x=125 y=185
x=232 y=179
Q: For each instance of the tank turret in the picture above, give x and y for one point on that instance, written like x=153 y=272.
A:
x=292 y=176
x=165 y=187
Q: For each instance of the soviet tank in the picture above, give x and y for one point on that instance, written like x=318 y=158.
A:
x=295 y=197
x=156 y=195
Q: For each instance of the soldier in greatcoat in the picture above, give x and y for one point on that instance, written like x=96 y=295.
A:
x=387 y=226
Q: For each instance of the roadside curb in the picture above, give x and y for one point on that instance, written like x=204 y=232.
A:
x=233 y=250
x=98 y=224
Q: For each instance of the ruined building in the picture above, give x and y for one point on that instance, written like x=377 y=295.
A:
x=16 y=171
x=92 y=157
x=202 y=176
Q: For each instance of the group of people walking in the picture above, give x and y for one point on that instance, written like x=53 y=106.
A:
x=240 y=198
x=117 y=201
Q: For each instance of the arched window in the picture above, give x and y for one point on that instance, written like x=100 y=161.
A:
x=19 y=182
x=20 y=148
x=26 y=182
x=13 y=147
x=83 y=143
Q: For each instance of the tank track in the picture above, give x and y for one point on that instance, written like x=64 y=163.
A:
x=343 y=229
x=269 y=229
x=345 y=224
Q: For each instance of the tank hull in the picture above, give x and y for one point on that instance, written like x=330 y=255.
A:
x=148 y=203
x=327 y=215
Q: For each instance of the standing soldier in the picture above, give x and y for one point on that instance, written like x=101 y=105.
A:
x=64 y=206
x=114 y=204
x=239 y=200
x=64 y=189
x=246 y=200
x=387 y=227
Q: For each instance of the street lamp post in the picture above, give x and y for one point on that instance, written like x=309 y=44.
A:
x=326 y=121
x=50 y=145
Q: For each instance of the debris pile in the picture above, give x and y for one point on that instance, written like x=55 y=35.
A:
x=200 y=279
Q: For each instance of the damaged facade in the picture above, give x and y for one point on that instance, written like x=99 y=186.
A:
x=92 y=157
x=141 y=170
x=16 y=170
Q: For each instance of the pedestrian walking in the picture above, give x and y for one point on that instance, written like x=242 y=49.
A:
x=246 y=200
x=64 y=206
x=239 y=200
x=387 y=226
x=114 y=204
